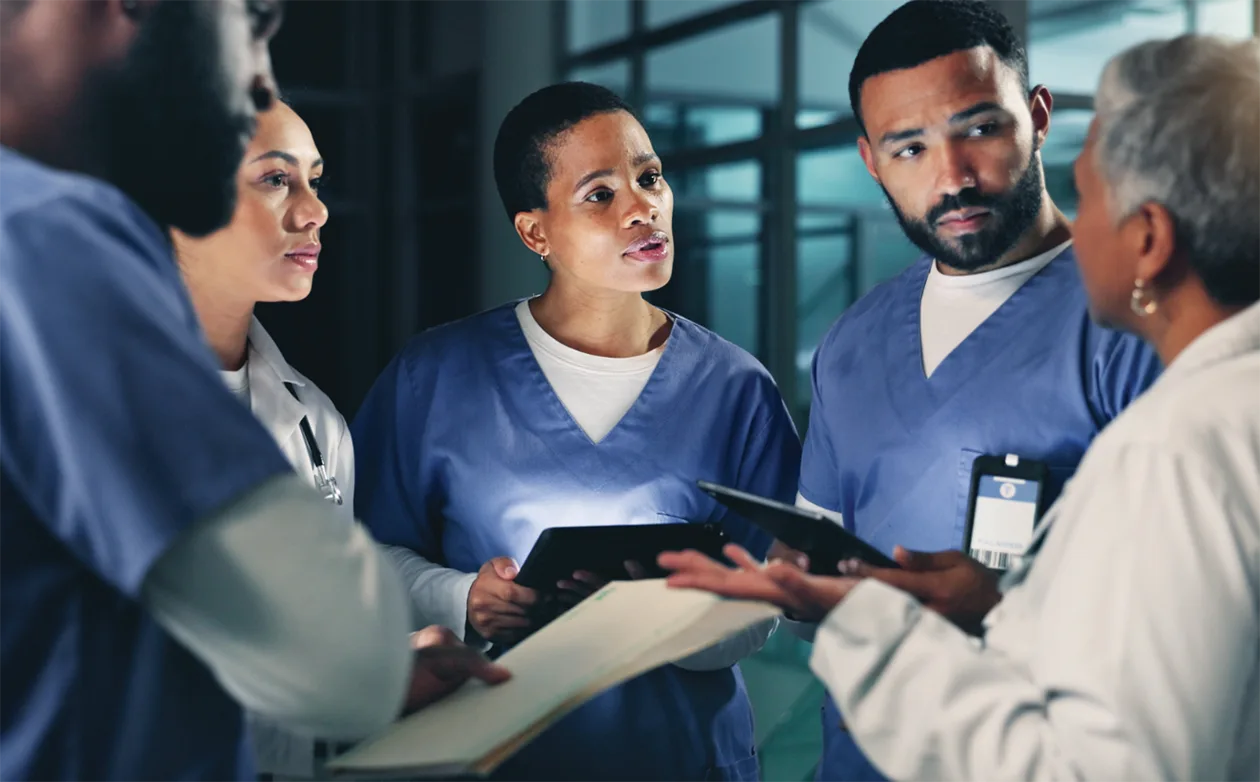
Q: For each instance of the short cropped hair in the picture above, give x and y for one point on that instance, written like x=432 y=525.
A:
x=923 y=30
x=1179 y=125
x=521 y=166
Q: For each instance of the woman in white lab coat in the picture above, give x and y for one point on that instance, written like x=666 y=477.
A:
x=269 y=252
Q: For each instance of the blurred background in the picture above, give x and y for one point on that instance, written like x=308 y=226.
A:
x=778 y=227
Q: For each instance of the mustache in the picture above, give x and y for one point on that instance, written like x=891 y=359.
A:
x=971 y=197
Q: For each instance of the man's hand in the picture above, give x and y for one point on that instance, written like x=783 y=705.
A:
x=807 y=597
x=442 y=664
x=949 y=582
x=585 y=583
x=496 y=606
x=783 y=552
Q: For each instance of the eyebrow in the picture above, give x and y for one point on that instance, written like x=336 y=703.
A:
x=276 y=154
x=639 y=159
x=962 y=116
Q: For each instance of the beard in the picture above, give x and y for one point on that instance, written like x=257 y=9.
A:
x=169 y=124
x=1012 y=213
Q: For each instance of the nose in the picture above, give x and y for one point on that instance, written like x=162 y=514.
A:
x=309 y=214
x=955 y=172
x=643 y=209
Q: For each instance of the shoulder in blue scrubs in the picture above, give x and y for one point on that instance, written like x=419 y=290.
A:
x=467 y=453
x=952 y=133
x=116 y=435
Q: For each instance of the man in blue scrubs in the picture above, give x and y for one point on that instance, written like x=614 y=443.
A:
x=982 y=346
x=162 y=567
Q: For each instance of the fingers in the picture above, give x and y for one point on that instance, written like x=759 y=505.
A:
x=488 y=602
x=926 y=560
x=433 y=635
x=781 y=551
x=504 y=567
x=813 y=596
x=591 y=581
x=506 y=591
x=689 y=562
x=855 y=568
x=520 y=596
x=490 y=673
x=737 y=584
x=506 y=622
x=742 y=559
x=456 y=664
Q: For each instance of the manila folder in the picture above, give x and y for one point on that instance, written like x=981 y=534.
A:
x=625 y=629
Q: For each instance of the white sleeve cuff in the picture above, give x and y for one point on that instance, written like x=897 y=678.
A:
x=802 y=630
x=856 y=638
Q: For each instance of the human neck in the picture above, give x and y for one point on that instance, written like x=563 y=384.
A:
x=1181 y=318
x=1049 y=230
x=600 y=323
x=225 y=319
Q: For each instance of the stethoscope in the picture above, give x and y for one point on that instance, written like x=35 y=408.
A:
x=325 y=483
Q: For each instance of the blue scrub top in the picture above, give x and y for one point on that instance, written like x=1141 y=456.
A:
x=116 y=434
x=465 y=453
x=892 y=450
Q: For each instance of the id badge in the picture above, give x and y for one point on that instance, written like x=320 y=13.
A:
x=1005 y=515
x=1005 y=504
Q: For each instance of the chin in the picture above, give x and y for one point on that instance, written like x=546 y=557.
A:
x=655 y=277
x=292 y=290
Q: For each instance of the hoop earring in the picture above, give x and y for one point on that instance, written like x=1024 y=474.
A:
x=543 y=258
x=1141 y=301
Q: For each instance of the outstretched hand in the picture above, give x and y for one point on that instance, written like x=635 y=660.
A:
x=948 y=582
x=806 y=597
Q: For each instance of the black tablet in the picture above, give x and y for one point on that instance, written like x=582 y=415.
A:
x=603 y=551
x=826 y=542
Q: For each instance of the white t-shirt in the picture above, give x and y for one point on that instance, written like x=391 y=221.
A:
x=596 y=390
x=237 y=382
x=953 y=306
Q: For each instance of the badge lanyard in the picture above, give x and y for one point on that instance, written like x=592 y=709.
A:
x=325 y=483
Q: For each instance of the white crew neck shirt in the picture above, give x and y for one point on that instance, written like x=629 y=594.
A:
x=596 y=390
x=237 y=381
x=953 y=306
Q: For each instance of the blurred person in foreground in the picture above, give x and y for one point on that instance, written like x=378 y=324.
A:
x=162 y=565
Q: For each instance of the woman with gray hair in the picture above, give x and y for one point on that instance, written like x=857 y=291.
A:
x=1128 y=645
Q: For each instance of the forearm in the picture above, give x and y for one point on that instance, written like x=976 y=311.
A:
x=925 y=701
x=438 y=595
x=300 y=615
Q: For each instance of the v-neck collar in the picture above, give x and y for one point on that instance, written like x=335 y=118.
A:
x=523 y=380
x=921 y=395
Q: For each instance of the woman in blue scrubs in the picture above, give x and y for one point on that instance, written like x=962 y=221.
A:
x=585 y=405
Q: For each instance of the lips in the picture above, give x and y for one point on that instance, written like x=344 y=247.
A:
x=964 y=220
x=652 y=248
x=306 y=256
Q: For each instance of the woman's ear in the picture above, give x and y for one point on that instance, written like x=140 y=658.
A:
x=529 y=227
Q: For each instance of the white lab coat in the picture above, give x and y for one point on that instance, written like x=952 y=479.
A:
x=1129 y=646
x=277 y=751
